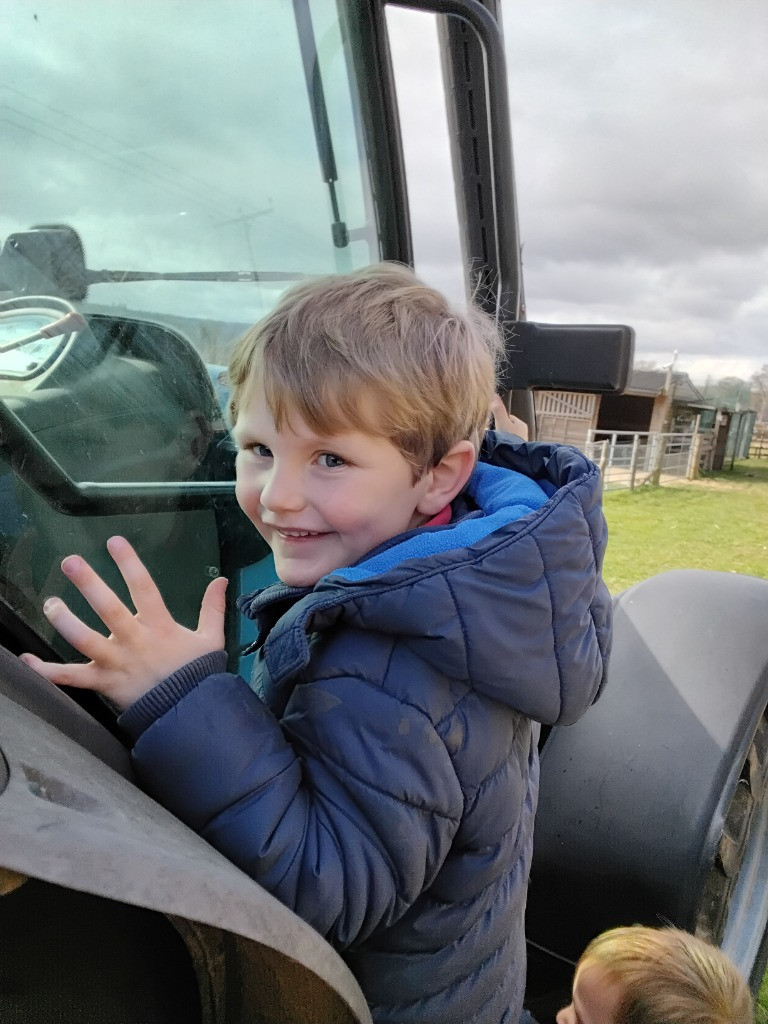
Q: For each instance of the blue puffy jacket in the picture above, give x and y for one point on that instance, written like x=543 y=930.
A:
x=380 y=776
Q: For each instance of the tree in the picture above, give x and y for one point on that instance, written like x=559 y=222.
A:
x=759 y=382
x=733 y=391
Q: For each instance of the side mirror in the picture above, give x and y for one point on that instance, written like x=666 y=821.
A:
x=567 y=357
x=46 y=260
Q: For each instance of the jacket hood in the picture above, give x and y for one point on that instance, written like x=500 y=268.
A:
x=507 y=597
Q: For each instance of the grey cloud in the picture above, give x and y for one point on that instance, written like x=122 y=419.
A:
x=641 y=153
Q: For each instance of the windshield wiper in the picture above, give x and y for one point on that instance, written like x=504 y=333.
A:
x=125 y=276
x=320 y=121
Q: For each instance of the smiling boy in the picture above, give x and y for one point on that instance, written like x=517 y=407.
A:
x=440 y=592
x=324 y=501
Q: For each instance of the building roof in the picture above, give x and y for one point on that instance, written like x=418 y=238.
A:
x=651 y=382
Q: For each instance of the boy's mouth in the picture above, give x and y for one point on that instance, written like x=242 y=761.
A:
x=299 y=534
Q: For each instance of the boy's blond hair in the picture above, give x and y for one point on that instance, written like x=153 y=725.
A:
x=668 y=976
x=376 y=333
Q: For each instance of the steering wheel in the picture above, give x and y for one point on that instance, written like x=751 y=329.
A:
x=43 y=328
x=40 y=325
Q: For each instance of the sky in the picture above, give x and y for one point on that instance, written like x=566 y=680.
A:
x=640 y=139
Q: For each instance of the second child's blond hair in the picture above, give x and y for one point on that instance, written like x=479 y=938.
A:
x=380 y=333
x=668 y=976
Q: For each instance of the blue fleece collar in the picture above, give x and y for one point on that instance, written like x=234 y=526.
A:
x=502 y=494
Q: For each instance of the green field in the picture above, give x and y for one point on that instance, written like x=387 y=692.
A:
x=717 y=522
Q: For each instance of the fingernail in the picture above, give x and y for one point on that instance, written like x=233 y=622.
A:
x=49 y=605
x=71 y=564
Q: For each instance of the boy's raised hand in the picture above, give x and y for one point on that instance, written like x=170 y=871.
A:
x=142 y=648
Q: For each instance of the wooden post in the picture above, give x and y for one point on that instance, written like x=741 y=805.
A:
x=633 y=461
x=657 y=457
x=603 y=458
x=695 y=456
x=692 y=470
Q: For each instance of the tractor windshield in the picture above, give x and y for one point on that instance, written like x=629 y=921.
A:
x=207 y=155
x=169 y=169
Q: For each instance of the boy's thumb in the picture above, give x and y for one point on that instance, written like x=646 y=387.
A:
x=214 y=606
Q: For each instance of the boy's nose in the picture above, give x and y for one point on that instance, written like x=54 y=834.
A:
x=282 y=491
x=565 y=1016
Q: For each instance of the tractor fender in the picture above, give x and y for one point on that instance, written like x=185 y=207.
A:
x=635 y=797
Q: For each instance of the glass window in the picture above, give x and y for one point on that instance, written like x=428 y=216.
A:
x=170 y=168
x=178 y=139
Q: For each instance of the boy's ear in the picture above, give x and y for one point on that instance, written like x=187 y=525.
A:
x=445 y=480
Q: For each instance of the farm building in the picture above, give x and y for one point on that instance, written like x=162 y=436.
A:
x=643 y=407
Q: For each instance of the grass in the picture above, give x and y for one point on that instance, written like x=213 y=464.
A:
x=717 y=522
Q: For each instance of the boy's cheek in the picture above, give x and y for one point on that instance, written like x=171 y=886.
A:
x=246 y=495
x=250 y=507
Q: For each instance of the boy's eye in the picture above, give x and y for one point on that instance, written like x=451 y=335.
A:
x=261 y=450
x=330 y=461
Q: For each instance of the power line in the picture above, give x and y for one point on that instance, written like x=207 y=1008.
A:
x=176 y=171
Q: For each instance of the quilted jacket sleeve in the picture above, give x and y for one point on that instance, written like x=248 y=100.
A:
x=345 y=809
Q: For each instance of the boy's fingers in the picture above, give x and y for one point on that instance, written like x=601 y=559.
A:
x=84 y=639
x=213 y=608
x=142 y=588
x=99 y=596
x=62 y=675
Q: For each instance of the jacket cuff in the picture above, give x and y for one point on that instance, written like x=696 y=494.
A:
x=147 y=709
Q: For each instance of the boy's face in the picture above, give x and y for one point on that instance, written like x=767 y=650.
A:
x=595 y=998
x=320 y=502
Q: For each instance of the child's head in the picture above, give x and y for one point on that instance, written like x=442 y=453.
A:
x=639 y=975
x=358 y=409
x=378 y=351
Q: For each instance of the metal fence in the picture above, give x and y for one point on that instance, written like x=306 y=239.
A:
x=630 y=459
